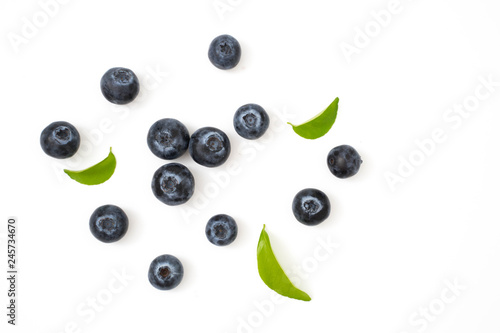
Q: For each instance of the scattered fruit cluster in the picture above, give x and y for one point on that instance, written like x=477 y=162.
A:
x=174 y=184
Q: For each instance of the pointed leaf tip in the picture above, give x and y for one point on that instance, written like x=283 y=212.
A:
x=320 y=124
x=271 y=272
x=96 y=174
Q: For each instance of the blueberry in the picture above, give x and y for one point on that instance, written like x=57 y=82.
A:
x=168 y=138
x=108 y=223
x=173 y=184
x=224 y=52
x=251 y=121
x=60 y=140
x=120 y=85
x=344 y=161
x=311 y=206
x=165 y=272
x=221 y=230
x=209 y=147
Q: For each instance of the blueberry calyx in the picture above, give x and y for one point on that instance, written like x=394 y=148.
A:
x=221 y=230
x=224 y=52
x=311 y=206
x=60 y=140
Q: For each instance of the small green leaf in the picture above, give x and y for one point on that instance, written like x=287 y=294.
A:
x=319 y=125
x=96 y=174
x=271 y=272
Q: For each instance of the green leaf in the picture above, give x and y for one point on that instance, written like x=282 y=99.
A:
x=96 y=174
x=271 y=272
x=319 y=125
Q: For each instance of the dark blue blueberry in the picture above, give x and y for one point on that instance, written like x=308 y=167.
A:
x=60 y=140
x=209 y=147
x=251 y=121
x=224 y=52
x=173 y=184
x=221 y=230
x=344 y=161
x=165 y=272
x=311 y=206
x=168 y=138
x=108 y=223
x=120 y=85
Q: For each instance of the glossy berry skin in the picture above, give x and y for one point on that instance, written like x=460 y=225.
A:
x=120 y=85
x=224 y=52
x=108 y=223
x=60 y=140
x=168 y=138
x=251 y=121
x=311 y=206
x=221 y=230
x=173 y=184
x=343 y=161
x=165 y=272
x=209 y=147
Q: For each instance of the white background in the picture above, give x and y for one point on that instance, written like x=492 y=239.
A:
x=396 y=248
